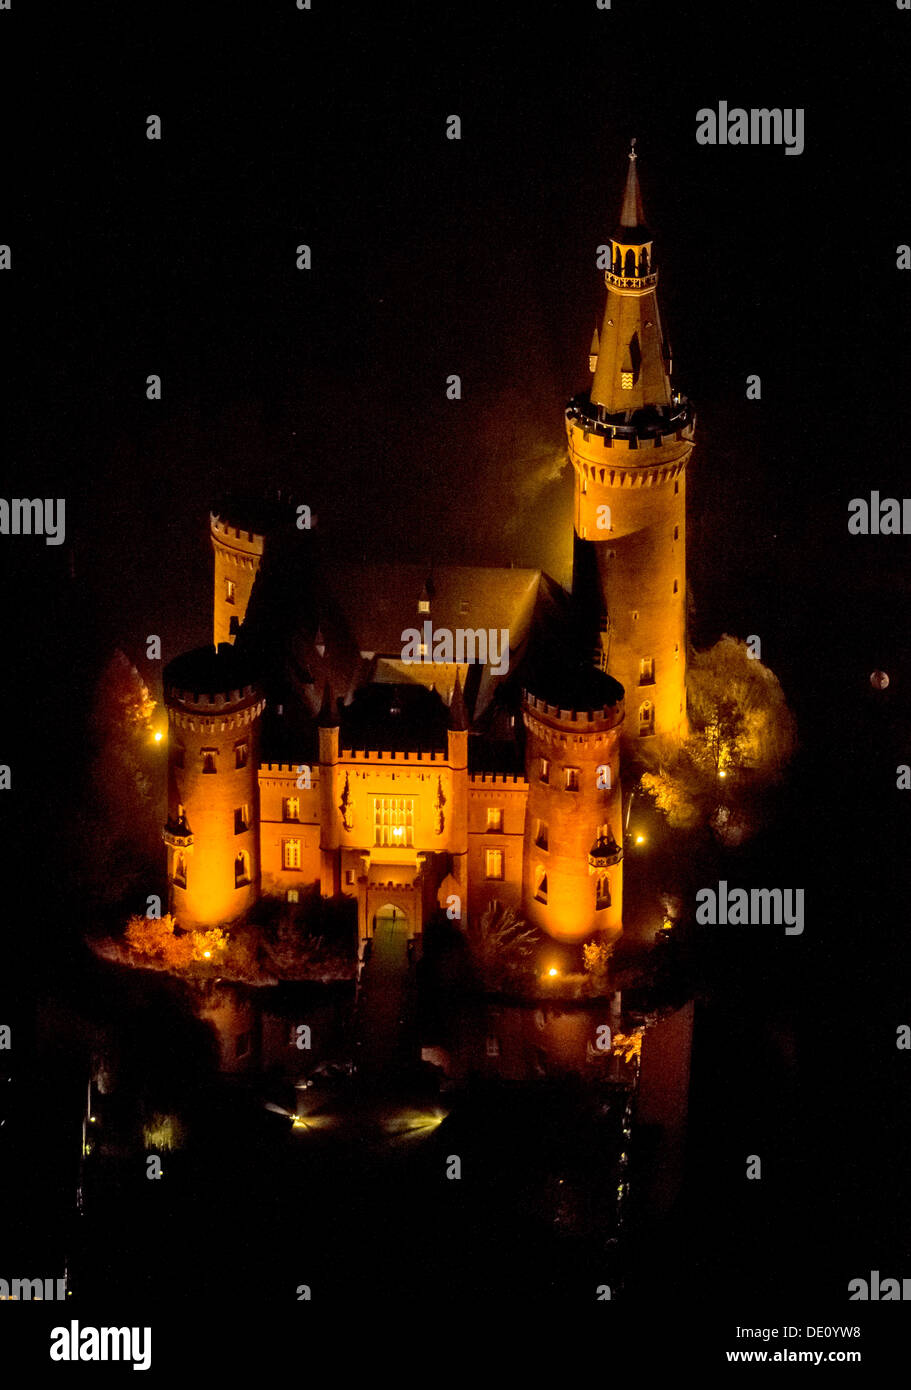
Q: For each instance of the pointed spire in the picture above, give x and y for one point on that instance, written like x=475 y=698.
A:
x=458 y=715
x=632 y=216
x=328 y=715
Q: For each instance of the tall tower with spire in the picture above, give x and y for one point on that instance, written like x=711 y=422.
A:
x=630 y=437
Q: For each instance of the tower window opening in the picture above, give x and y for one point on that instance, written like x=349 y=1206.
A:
x=635 y=615
x=646 y=718
x=240 y=755
x=545 y=770
x=241 y=869
x=291 y=854
x=571 y=779
x=676 y=488
x=208 y=759
x=493 y=863
x=393 y=821
x=292 y=895
x=349 y=878
x=675 y=586
x=540 y=885
x=241 y=819
x=179 y=875
x=493 y=1046
x=494 y=819
x=292 y=808
x=676 y=533
x=541 y=834
x=230 y=591
x=602 y=892
x=423 y=605
x=647 y=670
x=676 y=651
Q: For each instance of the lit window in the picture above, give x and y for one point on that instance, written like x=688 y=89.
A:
x=423 y=605
x=291 y=854
x=393 y=821
x=646 y=718
x=540 y=885
x=626 y=381
x=602 y=897
x=494 y=863
x=241 y=819
x=349 y=878
x=229 y=591
x=240 y=755
x=493 y=1047
x=292 y=808
x=241 y=869
x=545 y=769
x=571 y=779
x=494 y=818
x=647 y=670
x=292 y=895
x=463 y=607
x=208 y=759
x=541 y=835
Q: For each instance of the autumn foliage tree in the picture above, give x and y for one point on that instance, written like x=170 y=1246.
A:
x=117 y=840
x=742 y=738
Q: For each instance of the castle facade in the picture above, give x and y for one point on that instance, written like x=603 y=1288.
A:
x=314 y=746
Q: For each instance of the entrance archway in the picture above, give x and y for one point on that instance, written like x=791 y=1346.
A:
x=390 y=922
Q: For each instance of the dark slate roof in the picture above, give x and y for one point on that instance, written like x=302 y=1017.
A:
x=394 y=718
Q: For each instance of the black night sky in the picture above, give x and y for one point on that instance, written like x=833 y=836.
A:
x=430 y=257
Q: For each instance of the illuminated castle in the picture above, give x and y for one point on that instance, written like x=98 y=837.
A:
x=308 y=747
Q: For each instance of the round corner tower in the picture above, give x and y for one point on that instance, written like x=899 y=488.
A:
x=241 y=527
x=572 y=856
x=212 y=831
x=630 y=438
x=238 y=556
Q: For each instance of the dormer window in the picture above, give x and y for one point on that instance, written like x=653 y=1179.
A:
x=423 y=605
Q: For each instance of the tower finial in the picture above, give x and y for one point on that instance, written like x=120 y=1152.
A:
x=632 y=149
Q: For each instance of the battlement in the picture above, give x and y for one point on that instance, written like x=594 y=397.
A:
x=210 y=680
x=288 y=769
x=249 y=519
x=496 y=779
x=652 y=431
x=607 y=714
x=439 y=756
